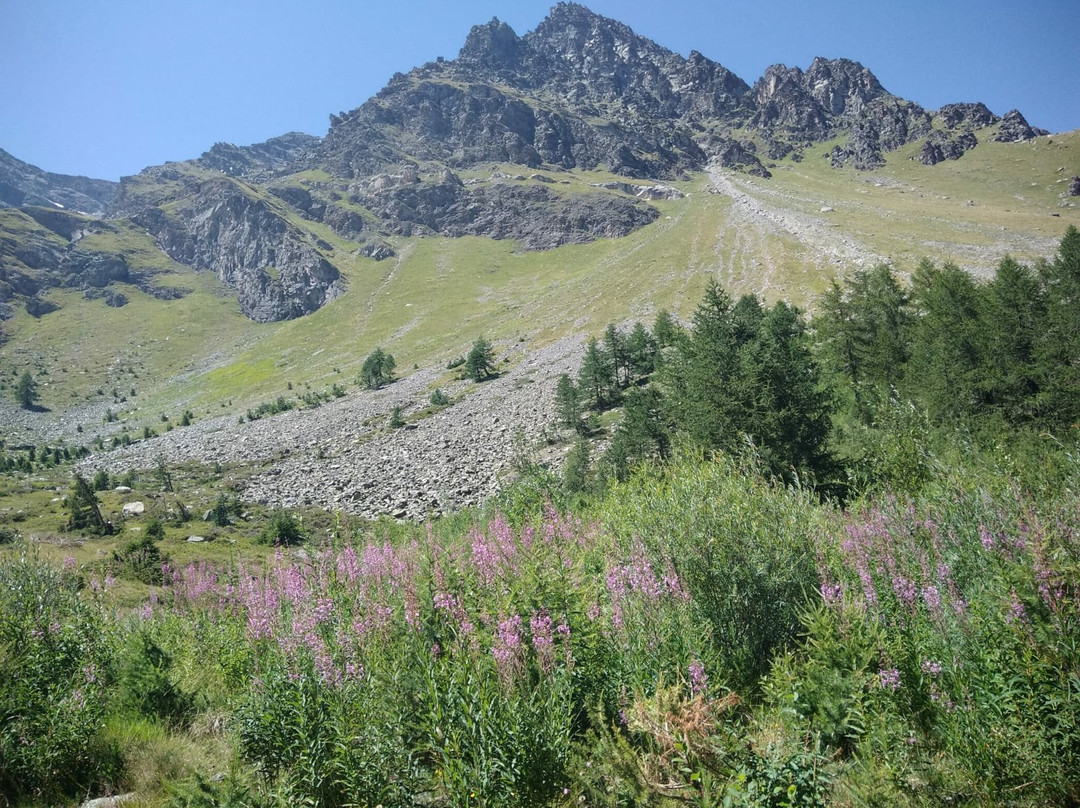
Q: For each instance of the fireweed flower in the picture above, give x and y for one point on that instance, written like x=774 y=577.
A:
x=506 y=647
x=1016 y=613
x=540 y=624
x=889 y=679
x=699 y=680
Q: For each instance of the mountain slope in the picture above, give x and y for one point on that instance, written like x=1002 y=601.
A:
x=24 y=184
x=531 y=191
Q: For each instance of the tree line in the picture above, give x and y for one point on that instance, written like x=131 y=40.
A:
x=993 y=358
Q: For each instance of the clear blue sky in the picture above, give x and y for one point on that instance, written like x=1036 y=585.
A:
x=107 y=88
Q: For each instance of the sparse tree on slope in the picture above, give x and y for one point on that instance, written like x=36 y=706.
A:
x=378 y=369
x=480 y=363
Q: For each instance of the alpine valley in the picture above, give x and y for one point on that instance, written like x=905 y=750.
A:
x=532 y=190
x=574 y=423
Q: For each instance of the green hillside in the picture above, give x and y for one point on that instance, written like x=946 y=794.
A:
x=783 y=238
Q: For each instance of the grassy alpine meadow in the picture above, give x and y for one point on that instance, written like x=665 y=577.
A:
x=696 y=635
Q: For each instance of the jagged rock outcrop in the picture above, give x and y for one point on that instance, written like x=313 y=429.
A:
x=277 y=274
x=795 y=109
x=967 y=116
x=738 y=154
x=534 y=215
x=1014 y=128
x=260 y=162
x=575 y=67
x=941 y=146
x=25 y=184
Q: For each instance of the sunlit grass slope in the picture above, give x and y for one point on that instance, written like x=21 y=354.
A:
x=428 y=303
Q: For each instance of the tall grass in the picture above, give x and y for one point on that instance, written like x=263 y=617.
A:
x=700 y=636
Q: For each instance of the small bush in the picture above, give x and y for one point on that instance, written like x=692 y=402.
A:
x=396 y=421
x=140 y=560
x=439 y=398
x=283 y=529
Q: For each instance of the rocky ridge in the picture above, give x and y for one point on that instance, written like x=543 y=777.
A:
x=25 y=184
x=277 y=272
x=580 y=91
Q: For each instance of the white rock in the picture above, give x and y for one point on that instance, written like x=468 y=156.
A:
x=134 y=509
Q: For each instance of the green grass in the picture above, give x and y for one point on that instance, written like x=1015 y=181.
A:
x=437 y=295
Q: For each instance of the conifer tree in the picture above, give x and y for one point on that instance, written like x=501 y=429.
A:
x=567 y=404
x=378 y=369
x=84 y=511
x=480 y=363
x=596 y=378
x=947 y=346
x=615 y=347
x=641 y=351
x=26 y=391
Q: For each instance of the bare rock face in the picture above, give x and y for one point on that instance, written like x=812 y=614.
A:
x=1014 y=128
x=260 y=161
x=940 y=146
x=25 y=184
x=967 y=116
x=534 y=215
x=277 y=274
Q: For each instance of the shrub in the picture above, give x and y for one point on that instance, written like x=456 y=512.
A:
x=439 y=398
x=140 y=560
x=396 y=421
x=281 y=528
x=53 y=678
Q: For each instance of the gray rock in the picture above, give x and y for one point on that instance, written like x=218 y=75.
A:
x=277 y=275
x=1014 y=128
x=25 y=184
x=108 y=802
x=941 y=146
x=134 y=509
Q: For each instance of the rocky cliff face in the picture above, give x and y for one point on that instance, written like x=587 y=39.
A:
x=581 y=91
x=277 y=273
x=261 y=161
x=24 y=184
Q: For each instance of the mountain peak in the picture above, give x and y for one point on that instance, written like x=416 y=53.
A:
x=492 y=47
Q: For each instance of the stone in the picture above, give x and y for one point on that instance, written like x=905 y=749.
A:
x=108 y=802
x=1014 y=128
x=122 y=489
x=134 y=509
x=196 y=539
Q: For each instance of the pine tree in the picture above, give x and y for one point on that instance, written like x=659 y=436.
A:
x=615 y=347
x=480 y=363
x=26 y=391
x=378 y=369
x=641 y=351
x=1058 y=348
x=84 y=510
x=596 y=378
x=643 y=429
x=786 y=411
x=567 y=404
x=947 y=346
x=1013 y=315
x=576 y=467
